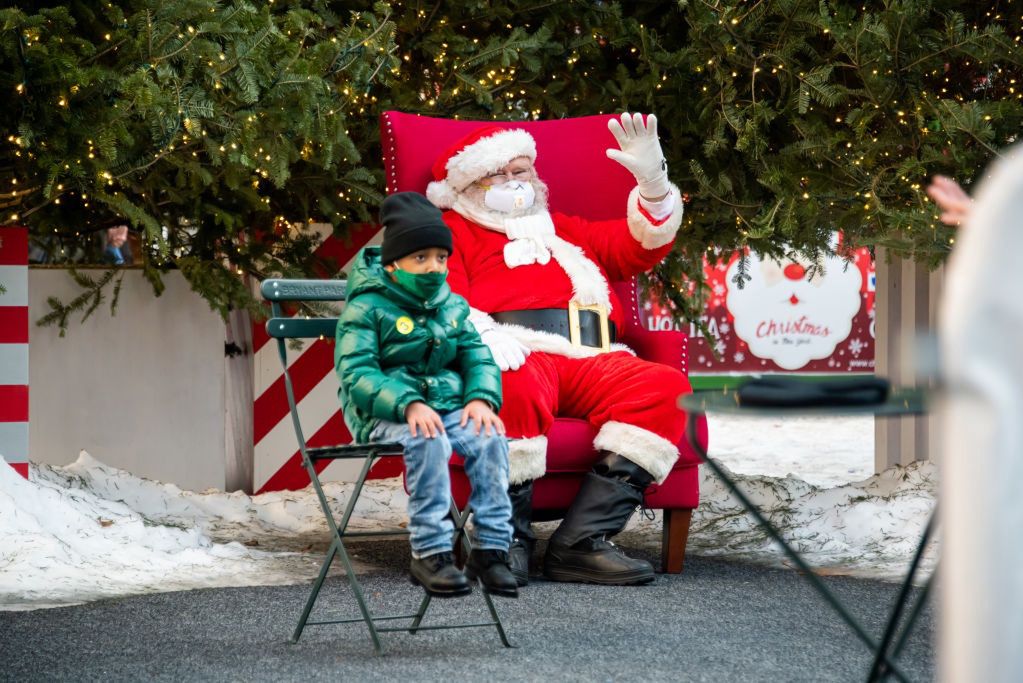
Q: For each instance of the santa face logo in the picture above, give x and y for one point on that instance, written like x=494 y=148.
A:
x=791 y=319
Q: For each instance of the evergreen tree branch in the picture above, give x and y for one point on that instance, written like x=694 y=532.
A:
x=213 y=163
x=179 y=50
x=969 y=130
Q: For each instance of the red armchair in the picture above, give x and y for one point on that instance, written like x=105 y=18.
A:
x=570 y=159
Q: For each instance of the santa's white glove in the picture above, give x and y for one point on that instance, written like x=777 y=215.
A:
x=509 y=353
x=641 y=153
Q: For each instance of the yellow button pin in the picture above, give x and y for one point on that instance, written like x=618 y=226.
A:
x=404 y=324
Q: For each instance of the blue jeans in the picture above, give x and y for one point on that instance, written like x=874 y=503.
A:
x=429 y=485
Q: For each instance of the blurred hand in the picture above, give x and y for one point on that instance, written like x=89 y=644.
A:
x=641 y=153
x=482 y=416
x=423 y=417
x=117 y=235
x=951 y=199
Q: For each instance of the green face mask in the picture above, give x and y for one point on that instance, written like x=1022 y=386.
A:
x=424 y=286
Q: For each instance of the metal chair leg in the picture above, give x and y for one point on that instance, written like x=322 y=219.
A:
x=461 y=517
x=337 y=547
x=363 y=607
x=369 y=453
x=497 y=619
x=315 y=592
x=420 y=613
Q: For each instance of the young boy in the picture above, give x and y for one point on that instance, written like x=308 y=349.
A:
x=414 y=371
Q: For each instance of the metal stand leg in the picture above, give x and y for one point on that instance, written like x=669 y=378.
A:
x=879 y=670
x=917 y=608
x=789 y=551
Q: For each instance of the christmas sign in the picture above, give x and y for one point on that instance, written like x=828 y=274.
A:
x=787 y=317
x=14 y=347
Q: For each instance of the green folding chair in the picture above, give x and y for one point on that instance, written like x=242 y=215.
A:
x=282 y=328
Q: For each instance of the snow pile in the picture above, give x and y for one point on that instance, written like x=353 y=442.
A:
x=281 y=520
x=869 y=529
x=88 y=531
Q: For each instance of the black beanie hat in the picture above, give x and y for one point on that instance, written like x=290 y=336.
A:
x=411 y=223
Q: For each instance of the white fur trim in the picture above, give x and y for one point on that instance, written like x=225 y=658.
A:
x=646 y=233
x=488 y=155
x=441 y=194
x=547 y=342
x=527 y=459
x=481 y=320
x=653 y=453
x=527 y=239
x=588 y=284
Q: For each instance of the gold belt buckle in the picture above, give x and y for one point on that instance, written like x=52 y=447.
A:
x=574 y=330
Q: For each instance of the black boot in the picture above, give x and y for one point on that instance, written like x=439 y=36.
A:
x=439 y=576
x=579 y=549
x=523 y=538
x=491 y=568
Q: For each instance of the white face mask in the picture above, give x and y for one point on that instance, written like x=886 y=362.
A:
x=509 y=197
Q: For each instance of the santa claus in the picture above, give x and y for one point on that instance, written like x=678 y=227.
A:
x=537 y=283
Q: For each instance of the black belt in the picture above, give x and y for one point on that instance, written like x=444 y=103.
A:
x=555 y=321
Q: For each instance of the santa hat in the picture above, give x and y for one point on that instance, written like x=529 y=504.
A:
x=484 y=151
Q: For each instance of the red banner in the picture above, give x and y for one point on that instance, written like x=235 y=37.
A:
x=787 y=317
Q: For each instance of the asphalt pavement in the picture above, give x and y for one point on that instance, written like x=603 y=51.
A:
x=717 y=621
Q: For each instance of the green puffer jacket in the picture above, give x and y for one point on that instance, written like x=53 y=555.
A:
x=393 y=348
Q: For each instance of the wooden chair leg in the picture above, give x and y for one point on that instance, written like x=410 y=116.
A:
x=674 y=535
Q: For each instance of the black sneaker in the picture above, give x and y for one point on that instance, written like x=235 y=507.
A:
x=491 y=568
x=439 y=576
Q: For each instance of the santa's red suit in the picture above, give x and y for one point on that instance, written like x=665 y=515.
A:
x=538 y=285
x=631 y=402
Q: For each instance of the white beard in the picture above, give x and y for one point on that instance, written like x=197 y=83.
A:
x=532 y=239
x=477 y=212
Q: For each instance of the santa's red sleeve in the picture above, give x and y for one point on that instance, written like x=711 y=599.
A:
x=626 y=248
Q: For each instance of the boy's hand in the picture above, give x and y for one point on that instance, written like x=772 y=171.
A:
x=420 y=415
x=482 y=416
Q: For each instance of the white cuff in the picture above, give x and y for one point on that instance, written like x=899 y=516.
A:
x=661 y=209
x=527 y=459
x=652 y=452
x=646 y=233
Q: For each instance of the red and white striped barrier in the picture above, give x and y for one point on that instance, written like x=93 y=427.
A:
x=278 y=463
x=14 y=347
